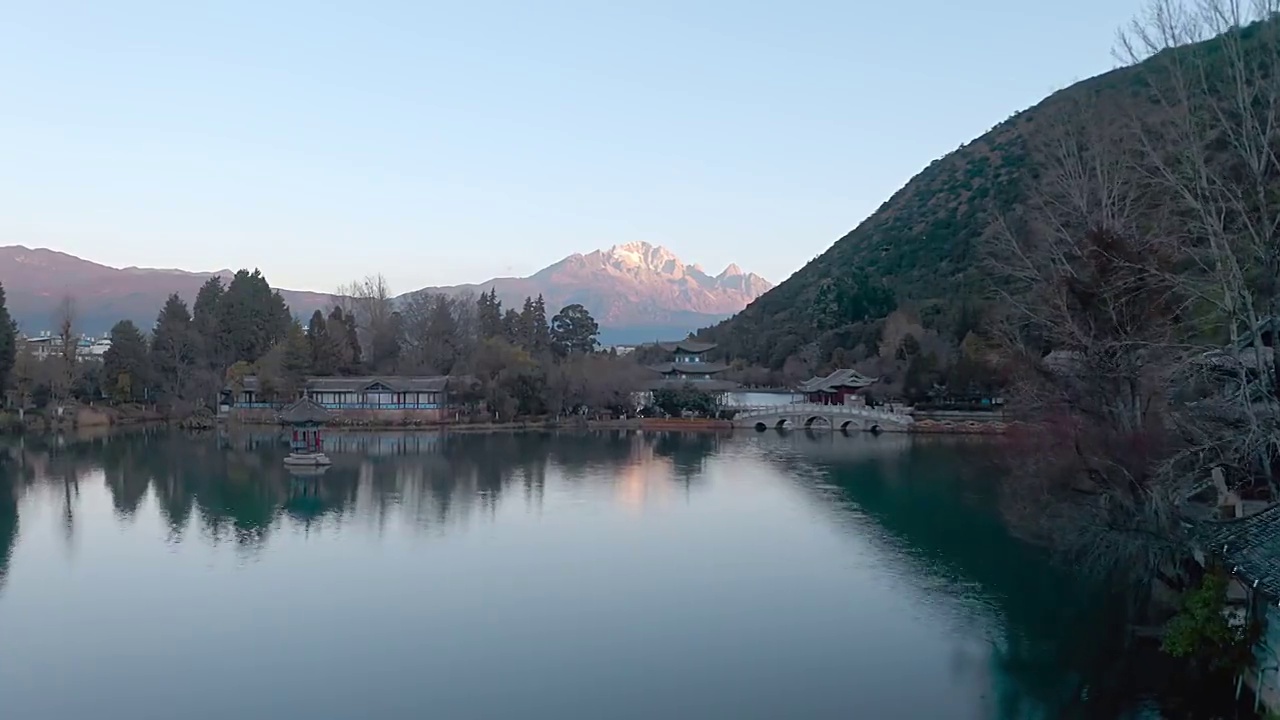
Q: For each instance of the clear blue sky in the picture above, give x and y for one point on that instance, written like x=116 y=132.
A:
x=451 y=142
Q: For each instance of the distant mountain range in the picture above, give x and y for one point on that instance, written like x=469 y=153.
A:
x=637 y=291
x=37 y=279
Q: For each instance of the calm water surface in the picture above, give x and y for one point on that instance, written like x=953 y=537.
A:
x=625 y=575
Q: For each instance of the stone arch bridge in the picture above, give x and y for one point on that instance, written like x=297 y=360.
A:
x=847 y=418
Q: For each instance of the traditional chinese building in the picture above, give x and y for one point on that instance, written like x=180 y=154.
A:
x=381 y=398
x=688 y=364
x=842 y=387
x=306 y=446
x=1249 y=550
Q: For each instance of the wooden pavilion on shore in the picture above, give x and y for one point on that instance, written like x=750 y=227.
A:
x=841 y=387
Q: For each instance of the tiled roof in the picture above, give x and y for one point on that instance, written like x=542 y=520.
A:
x=689 y=346
x=707 y=385
x=304 y=411
x=692 y=368
x=395 y=383
x=1250 y=546
x=1062 y=361
x=1232 y=360
x=837 y=379
x=1266 y=325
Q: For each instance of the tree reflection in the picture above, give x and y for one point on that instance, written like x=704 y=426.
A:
x=236 y=488
x=1056 y=645
x=8 y=521
x=1062 y=648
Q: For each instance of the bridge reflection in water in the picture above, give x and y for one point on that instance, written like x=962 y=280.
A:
x=813 y=416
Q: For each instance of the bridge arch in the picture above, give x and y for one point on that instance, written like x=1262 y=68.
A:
x=810 y=415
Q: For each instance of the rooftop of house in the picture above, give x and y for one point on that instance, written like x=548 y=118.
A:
x=1250 y=546
x=1267 y=326
x=392 y=383
x=840 y=378
x=689 y=368
x=688 y=346
x=304 y=411
x=1230 y=360
x=707 y=385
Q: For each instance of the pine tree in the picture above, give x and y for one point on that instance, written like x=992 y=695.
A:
x=539 y=332
x=173 y=348
x=204 y=318
x=326 y=354
x=489 y=315
x=296 y=362
x=442 y=333
x=251 y=318
x=512 y=328
x=125 y=365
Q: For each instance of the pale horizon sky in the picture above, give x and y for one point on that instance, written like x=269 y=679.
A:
x=441 y=144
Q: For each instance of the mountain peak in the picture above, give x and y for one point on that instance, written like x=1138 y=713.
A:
x=731 y=271
x=642 y=255
x=634 y=285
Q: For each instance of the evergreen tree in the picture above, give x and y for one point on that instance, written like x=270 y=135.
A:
x=251 y=318
x=539 y=331
x=8 y=343
x=125 y=365
x=295 y=363
x=442 y=334
x=355 y=361
x=204 y=317
x=526 y=330
x=336 y=326
x=489 y=316
x=826 y=312
x=326 y=351
x=279 y=318
x=384 y=345
x=573 y=330
x=512 y=328
x=173 y=348
x=531 y=332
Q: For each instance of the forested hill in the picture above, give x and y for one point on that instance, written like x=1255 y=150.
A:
x=920 y=249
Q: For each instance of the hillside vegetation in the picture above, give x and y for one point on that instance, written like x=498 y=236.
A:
x=1108 y=262
x=921 y=250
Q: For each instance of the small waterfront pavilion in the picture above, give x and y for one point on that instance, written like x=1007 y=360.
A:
x=305 y=417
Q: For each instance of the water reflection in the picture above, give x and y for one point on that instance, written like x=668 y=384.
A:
x=238 y=486
x=1035 y=640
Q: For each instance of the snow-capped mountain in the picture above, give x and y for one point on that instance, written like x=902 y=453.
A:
x=636 y=291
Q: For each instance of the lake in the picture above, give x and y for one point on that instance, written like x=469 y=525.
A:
x=608 y=575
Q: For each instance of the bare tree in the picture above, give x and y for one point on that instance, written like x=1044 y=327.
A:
x=64 y=375
x=1092 y=304
x=371 y=302
x=440 y=331
x=1213 y=69
x=26 y=376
